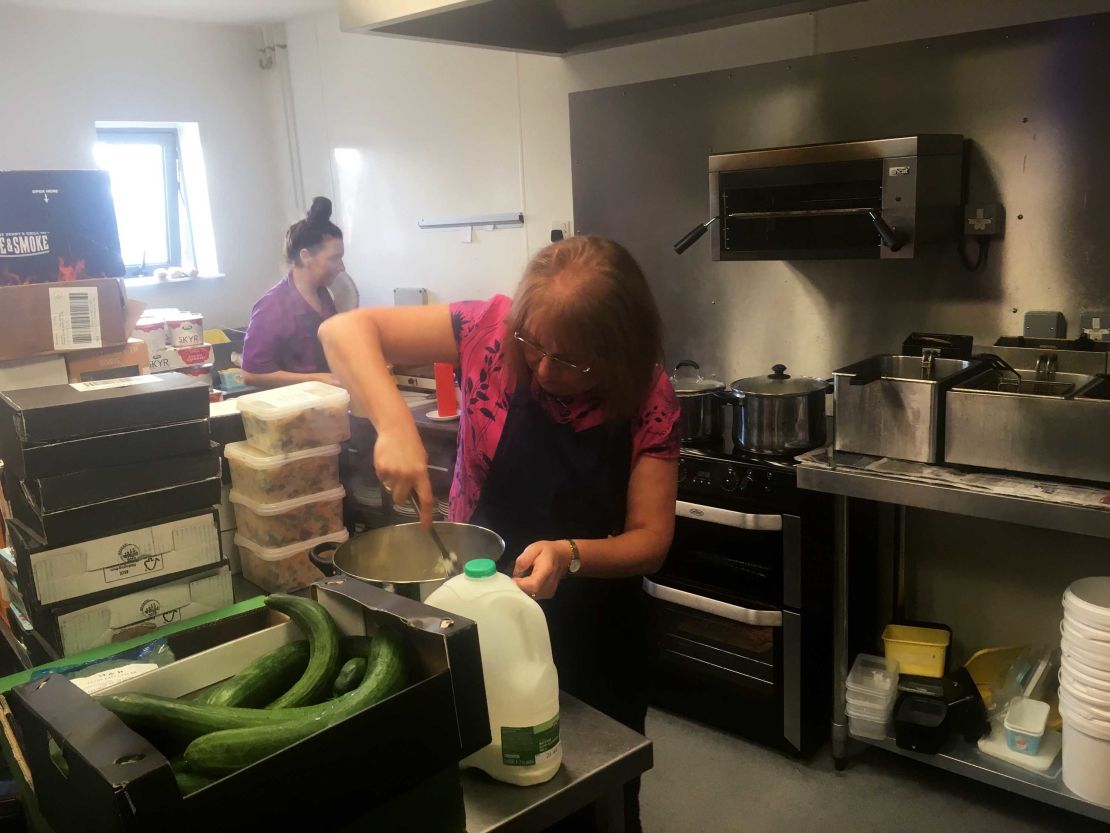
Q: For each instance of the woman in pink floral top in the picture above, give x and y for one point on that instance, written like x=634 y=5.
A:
x=568 y=446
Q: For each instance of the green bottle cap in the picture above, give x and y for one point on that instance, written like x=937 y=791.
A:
x=480 y=568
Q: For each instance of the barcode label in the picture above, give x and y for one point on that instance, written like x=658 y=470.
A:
x=101 y=384
x=75 y=317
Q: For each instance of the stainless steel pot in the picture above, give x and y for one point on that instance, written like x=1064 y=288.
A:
x=701 y=402
x=404 y=559
x=779 y=414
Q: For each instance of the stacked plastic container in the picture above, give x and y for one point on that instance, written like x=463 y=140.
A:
x=872 y=688
x=285 y=481
x=1085 y=688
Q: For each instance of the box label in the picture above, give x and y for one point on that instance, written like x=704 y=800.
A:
x=530 y=745
x=103 y=384
x=104 y=679
x=140 y=566
x=75 y=317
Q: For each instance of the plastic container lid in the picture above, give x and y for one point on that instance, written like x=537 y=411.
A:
x=281 y=507
x=283 y=402
x=873 y=675
x=1027 y=716
x=279 y=553
x=1090 y=599
x=480 y=568
x=248 y=455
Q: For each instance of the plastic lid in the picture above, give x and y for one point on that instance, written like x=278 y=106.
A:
x=279 y=553
x=284 y=506
x=1027 y=716
x=480 y=568
x=283 y=402
x=248 y=455
x=878 y=675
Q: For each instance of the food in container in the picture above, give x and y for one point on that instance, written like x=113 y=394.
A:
x=185 y=329
x=1025 y=723
x=293 y=418
x=152 y=331
x=282 y=569
x=270 y=478
x=287 y=522
x=203 y=371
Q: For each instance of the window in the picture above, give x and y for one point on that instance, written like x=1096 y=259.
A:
x=143 y=165
x=160 y=190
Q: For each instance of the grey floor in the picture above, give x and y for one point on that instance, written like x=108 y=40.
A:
x=705 y=781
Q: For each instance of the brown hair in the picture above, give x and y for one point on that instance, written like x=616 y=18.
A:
x=595 y=297
x=312 y=232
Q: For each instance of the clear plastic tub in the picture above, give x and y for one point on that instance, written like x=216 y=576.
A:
x=864 y=725
x=918 y=650
x=295 y=418
x=873 y=681
x=281 y=569
x=290 y=521
x=270 y=478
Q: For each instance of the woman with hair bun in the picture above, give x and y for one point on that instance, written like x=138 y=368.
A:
x=281 y=346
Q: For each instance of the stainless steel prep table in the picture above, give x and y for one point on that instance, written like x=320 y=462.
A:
x=848 y=484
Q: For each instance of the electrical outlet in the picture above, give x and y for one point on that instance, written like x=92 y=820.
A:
x=984 y=220
x=560 y=230
x=1096 y=324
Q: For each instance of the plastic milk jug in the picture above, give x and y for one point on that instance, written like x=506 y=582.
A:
x=522 y=686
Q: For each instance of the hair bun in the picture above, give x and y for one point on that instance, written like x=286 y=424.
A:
x=320 y=212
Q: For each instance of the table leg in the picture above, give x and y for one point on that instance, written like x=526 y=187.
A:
x=840 y=633
x=609 y=812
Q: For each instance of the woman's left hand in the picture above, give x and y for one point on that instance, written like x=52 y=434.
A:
x=548 y=562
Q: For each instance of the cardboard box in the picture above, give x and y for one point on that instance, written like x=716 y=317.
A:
x=231 y=551
x=97 y=520
x=23 y=462
x=84 y=409
x=161 y=551
x=40 y=319
x=131 y=359
x=178 y=358
x=73 y=490
x=72 y=630
x=57 y=226
x=33 y=373
x=438 y=719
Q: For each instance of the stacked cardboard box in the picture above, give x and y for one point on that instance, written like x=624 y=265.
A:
x=112 y=486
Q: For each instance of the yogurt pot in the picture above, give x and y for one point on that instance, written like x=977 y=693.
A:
x=153 y=332
x=185 y=329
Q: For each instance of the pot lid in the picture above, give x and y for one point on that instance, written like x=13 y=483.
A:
x=688 y=381
x=779 y=383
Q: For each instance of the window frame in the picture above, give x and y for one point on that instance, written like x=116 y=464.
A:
x=168 y=138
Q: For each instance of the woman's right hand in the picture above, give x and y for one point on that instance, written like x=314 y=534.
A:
x=401 y=462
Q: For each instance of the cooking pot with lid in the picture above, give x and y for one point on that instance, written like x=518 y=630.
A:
x=403 y=558
x=701 y=402
x=779 y=414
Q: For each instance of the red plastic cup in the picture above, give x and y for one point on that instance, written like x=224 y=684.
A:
x=446 y=403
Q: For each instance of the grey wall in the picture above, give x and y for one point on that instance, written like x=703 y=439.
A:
x=1033 y=100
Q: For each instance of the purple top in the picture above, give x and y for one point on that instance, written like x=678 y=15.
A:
x=282 y=332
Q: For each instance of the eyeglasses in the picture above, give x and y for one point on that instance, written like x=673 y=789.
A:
x=539 y=351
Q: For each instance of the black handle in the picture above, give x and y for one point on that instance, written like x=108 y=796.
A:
x=687 y=363
x=693 y=237
x=891 y=237
x=999 y=363
x=778 y=372
x=320 y=558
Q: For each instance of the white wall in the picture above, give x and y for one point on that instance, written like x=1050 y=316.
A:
x=432 y=129
x=64 y=71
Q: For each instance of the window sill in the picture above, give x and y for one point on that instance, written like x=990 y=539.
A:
x=152 y=281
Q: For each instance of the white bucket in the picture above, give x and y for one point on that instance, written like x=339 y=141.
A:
x=1097 y=675
x=1075 y=627
x=1086 y=767
x=1081 y=650
x=1094 y=698
x=1088 y=600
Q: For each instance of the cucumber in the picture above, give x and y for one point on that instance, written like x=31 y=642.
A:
x=323 y=644
x=350 y=674
x=187 y=780
x=222 y=752
x=353 y=646
x=261 y=680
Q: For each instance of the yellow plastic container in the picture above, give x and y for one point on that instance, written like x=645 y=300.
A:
x=918 y=651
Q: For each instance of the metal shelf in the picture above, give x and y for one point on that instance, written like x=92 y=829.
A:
x=966 y=760
x=863 y=485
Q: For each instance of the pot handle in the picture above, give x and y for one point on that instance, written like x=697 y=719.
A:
x=730 y=395
x=687 y=363
x=322 y=557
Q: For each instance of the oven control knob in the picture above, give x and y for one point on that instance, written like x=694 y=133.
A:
x=681 y=471
x=747 y=482
x=730 y=481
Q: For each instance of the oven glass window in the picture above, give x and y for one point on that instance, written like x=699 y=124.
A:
x=738 y=564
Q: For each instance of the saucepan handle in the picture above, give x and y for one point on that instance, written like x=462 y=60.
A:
x=323 y=557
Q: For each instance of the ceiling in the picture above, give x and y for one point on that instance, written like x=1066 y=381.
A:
x=211 y=11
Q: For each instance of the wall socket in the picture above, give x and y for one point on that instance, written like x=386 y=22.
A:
x=560 y=230
x=1096 y=324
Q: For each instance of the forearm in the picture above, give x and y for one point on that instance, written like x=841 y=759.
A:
x=281 y=378
x=636 y=552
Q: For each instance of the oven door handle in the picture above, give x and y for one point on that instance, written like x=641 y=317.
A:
x=761 y=618
x=727 y=517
